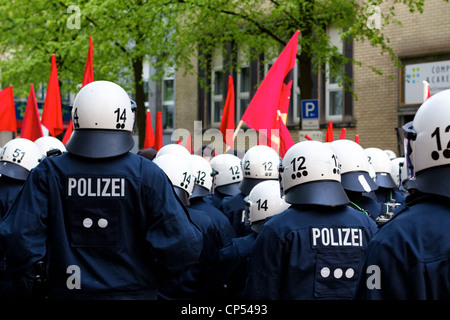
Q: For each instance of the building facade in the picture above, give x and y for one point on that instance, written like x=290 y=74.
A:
x=381 y=105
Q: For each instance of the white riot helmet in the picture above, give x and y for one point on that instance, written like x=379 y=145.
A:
x=179 y=172
x=265 y=201
x=18 y=157
x=173 y=148
x=428 y=152
x=398 y=170
x=259 y=163
x=391 y=154
x=311 y=175
x=382 y=166
x=227 y=173
x=103 y=119
x=49 y=143
x=354 y=166
x=202 y=172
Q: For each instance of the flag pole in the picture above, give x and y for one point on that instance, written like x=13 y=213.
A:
x=235 y=133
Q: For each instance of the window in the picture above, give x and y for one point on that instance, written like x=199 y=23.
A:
x=334 y=98
x=296 y=105
x=243 y=86
x=168 y=105
x=217 y=75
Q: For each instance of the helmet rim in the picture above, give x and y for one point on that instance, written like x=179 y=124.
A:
x=326 y=193
x=99 y=143
x=13 y=170
x=350 y=181
x=434 y=180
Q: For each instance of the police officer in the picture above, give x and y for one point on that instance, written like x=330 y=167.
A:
x=263 y=202
x=399 y=174
x=259 y=163
x=355 y=177
x=103 y=222
x=409 y=258
x=50 y=146
x=387 y=193
x=203 y=180
x=313 y=249
x=200 y=280
x=227 y=174
x=17 y=158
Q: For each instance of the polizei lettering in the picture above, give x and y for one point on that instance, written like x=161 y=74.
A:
x=105 y=187
x=336 y=237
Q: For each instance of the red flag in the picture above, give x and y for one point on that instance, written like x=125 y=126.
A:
x=31 y=125
x=189 y=144
x=329 y=134
x=426 y=90
x=273 y=94
x=52 y=113
x=285 y=137
x=87 y=78
x=149 y=135
x=7 y=110
x=158 y=132
x=227 y=121
x=89 y=68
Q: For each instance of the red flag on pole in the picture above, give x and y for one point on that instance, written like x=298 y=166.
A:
x=272 y=95
x=329 y=134
x=31 y=124
x=188 y=144
x=149 y=135
x=285 y=137
x=87 y=78
x=426 y=90
x=343 y=131
x=7 y=110
x=89 y=68
x=52 y=113
x=158 y=132
x=227 y=121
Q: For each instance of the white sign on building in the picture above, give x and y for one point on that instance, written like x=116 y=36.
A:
x=437 y=74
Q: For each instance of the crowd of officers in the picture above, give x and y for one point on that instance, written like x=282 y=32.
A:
x=92 y=220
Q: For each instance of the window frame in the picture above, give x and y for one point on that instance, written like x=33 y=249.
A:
x=169 y=75
x=331 y=87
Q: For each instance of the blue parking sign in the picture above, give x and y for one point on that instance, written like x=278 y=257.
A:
x=310 y=109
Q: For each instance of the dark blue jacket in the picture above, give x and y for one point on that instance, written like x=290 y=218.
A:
x=409 y=258
x=106 y=228
x=309 y=252
x=9 y=189
x=200 y=281
x=365 y=204
x=225 y=231
x=233 y=265
x=234 y=208
x=215 y=199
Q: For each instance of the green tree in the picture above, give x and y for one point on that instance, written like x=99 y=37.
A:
x=257 y=26
x=124 y=34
